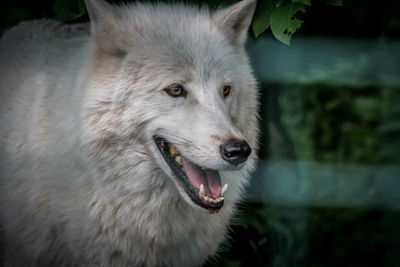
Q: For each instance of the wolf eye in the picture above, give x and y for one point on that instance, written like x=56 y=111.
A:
x=226 y=91
x=176 y=90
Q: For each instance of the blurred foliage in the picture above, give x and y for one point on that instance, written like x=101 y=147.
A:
x=333 y=124
x=389 y=128
x=339 y=124
x=279 y=14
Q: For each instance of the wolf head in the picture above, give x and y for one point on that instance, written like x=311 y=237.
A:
x=175 y=80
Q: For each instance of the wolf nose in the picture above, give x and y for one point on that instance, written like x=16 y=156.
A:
x=235 y=151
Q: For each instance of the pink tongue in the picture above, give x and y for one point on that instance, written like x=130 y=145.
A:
x=209 y=178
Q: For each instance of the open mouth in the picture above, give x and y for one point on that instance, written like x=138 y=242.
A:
x=203 y=186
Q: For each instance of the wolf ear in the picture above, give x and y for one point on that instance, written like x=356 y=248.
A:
x=235 y=20
x=99 y=10
x=104 y=19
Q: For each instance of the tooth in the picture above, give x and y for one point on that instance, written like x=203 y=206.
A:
x=178 y=159
x=224 y=188
x=201 y=191
x=172 y=150
x=205 y=198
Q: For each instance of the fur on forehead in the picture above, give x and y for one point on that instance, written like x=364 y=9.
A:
x=117 y=30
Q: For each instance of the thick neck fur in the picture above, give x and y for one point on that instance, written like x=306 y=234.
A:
x=151 y=224
x=152 y=221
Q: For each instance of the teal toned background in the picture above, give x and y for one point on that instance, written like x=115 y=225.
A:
x=327 y=188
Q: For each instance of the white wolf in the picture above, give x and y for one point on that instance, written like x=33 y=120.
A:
x=115 y=145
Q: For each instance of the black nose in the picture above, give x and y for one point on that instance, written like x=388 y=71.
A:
x=235 y=151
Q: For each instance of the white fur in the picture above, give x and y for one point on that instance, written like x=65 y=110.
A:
x=81 y=180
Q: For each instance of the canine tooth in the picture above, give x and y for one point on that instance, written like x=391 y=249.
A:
x=173 y=151
x=206 y=198
x=224 y=188
x=201 y=191
x=178 y=159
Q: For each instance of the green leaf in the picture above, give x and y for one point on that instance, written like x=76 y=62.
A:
x=284 y=23
x=262 y=15
x=333 y=2
x=305 y=2
x=68 y=9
